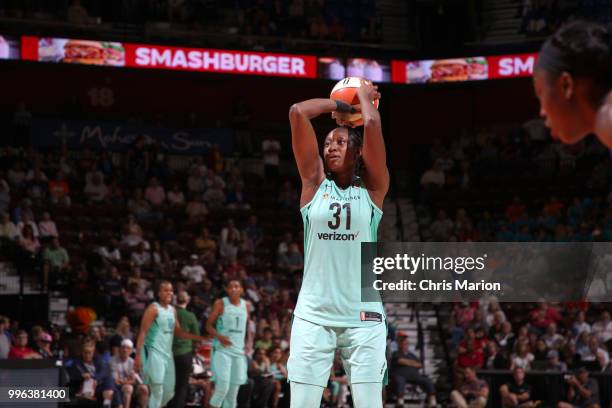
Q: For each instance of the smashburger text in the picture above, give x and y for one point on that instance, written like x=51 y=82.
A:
x=221 y=61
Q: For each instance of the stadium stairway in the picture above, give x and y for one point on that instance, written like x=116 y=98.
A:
x=405 y=317
x=409 y=224
x=501 y=23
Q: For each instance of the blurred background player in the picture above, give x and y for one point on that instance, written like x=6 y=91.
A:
x=341 y=195
x=572 y=80
x=227 y=324
x=158 y=327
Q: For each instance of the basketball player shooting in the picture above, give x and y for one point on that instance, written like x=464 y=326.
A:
x=341 y=200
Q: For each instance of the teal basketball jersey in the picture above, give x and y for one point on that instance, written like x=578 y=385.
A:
x=233 y=324
x=336 y=222
x=161 y=333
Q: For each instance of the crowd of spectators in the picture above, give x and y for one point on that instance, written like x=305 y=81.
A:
x=543 y=17
x=102 y=228
x=308 y=19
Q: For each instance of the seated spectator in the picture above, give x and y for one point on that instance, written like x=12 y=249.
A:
x=8 y=230
x=77 y=14
x=206 y=246
x=581 y=325
x=195 y=182
x=543 y=316
x=24 y=208
x=279 y=374
x=570 y=356
x=235 y=198
x=28 y=241
x=228 y=249
x=404 y=369
x=140 y=256
x=113 y=292
x=288 y=197
x=522 y=358
x=582 y=392
x=442 y=228
x=194 y=271
x=269 y=283
x=46 y=227
x=433 y=179
x=43 y=346
x=136 y=301
x=176 y=198
x=517 y=393
x=96 y=191
x=5 y=341
x=553 y=339
x=110 y=253
x=59 y=190
x=469 y=357
x=91 y=378
x=57 y=257
x=5 y=196
x=262 y=379
x=142 y=208
x=473 y=393
x=16 y=175
x=603 y=328
x=132 y=232
x=266 y=342
x=594 y=357
x=553 y=363
x=126 y=378
x=155 y=193
x=214 y=196
x=496 y=359
x=20 y=350
x=26 y=220
x=196 y=209
x=293 y=260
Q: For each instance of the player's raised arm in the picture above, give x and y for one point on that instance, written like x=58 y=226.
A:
x=374 y=154
x=304 y=141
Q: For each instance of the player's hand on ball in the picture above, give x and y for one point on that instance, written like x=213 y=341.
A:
x=225 y=341
x=368 y=90
x=344 y=118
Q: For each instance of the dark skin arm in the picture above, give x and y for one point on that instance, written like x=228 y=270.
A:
x=148 y=317
x=305 y=146
x=184 y=334
x=217 y=310
x=374 y=154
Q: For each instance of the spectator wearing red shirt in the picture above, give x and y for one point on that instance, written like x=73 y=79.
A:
x=20 y=349
x=470 y=357
x=543 y=316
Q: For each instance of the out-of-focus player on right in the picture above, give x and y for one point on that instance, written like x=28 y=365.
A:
x=573 y=78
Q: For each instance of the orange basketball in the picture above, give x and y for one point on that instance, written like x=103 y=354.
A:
x=346 y=91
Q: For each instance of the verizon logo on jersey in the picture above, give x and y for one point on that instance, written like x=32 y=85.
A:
x=334 y=236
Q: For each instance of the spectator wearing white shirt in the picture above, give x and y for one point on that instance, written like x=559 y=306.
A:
x=194 y=272
x=155 y=193
x=434 y=177
x=25 y=220
x=111 y=252
x=47 y=227
x=553 y=339
x=126 y=378
x=8 y=229
x=595 y=354
x=580 y=325
x=96 y=191
x=141 y=256
x=603 y=327
x=271 y=149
